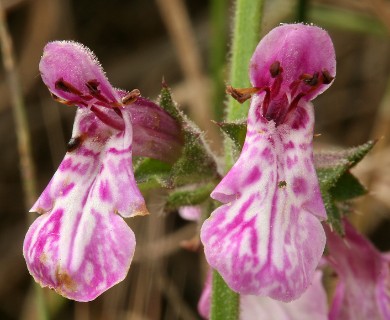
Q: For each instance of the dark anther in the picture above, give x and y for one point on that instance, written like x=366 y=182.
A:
x=241 y=95
x=131 y=97
x=73 y=144
x=326 y=77
x=92 y=86
x=275 y=69
x=311 y=80
x=62 y=85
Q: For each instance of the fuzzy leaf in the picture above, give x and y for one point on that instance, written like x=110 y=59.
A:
x=196 y=163
x=347 y=187
x=336 y=182
x=236 y=131
x=151 y=173
x=166 y=102
x=334 y=214
x=331 y=166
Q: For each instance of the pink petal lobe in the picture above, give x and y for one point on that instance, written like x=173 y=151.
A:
x=300 y=49
x=79 y=254
x=311 y=305
x=362 y=291
x=80 y=247
x=267 y=238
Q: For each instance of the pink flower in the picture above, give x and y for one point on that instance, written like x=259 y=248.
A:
x=362 y=290
x=80 y=246
x=267 y=239
x=311 y=305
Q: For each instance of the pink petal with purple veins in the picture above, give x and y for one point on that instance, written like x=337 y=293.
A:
x=80 y=247
x=362 y=291
x=267 y=239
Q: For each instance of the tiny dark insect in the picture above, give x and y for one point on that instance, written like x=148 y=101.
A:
x=282 y=184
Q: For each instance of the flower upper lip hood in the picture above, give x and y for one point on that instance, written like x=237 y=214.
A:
x=266 y=238
x=301 y=68
x=74 y=76
x=80 y=246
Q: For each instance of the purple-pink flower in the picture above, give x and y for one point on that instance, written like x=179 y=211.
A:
x=80 y=246
x=362 y=291
x=311 y=305
x=267 y=238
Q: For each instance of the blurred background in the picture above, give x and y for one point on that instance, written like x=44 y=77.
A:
x=186 y=42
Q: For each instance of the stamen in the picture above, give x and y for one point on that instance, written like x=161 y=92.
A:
x=67 y=102
x=108 y=120
x=62 y=85
x=275 y=69
x=242 y=94
x=294 y=102
x=131 y=97
x=92 y=86
x=266 y=101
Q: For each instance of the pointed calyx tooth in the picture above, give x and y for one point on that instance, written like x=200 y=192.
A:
x=131 y=97
x=275 y=69
x=241 y=94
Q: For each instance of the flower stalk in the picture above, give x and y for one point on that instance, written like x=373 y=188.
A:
x=225 y=302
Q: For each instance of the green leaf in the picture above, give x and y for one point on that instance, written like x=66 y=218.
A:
x=152 y=173
x=336 y=182
x=328 y=177
x=197 y=163
x=181 y=198
x=347 y=187
x=166 y=102
x=236 y=131
x=331 y=166
x=334 y=214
